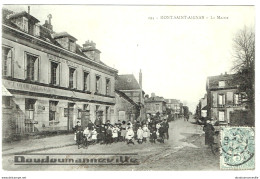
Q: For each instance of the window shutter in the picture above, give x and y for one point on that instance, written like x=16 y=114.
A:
x=229 y=98
x=9 y=63
x=58 y=74
x=36 y=69
x=214 y=99
x=75 y=79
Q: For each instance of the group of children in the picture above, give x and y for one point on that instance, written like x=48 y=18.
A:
x=121 y=132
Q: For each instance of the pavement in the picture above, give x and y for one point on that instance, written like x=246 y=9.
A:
x=185 y=150
x=33 y=145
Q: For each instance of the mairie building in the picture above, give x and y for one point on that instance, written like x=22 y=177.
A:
x=49 y=82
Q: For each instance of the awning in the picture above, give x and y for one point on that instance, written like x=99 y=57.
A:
x=5 y=92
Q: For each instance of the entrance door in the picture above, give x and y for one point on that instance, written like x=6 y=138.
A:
x=99 y=115
x=85 y=117
x=71 y=115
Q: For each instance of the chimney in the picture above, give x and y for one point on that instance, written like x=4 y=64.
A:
x=28 y=9
x=47 y=23
x=90 y=50
x=140 y=79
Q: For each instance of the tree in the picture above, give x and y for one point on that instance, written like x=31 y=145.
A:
x=244 y=65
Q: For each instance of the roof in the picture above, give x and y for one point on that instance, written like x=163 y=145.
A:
x=126 y=97
x=64 y=34
x=155 y=99
x=23 y=14
x=45 y=34
x=213 y=81
x=127 y=82
x=5 y=92
x=172 y=101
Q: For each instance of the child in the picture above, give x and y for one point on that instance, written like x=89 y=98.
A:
x=123 y=130
x=86 y=134
x=94 y=136
x=102 y=134
x=130 y=135
x=109 y=135
x=115 y=134
x=140 y=135
x=153 y=135
x=145 y=134
x=161 y=134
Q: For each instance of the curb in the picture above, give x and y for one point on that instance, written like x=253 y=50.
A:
x=39 y=149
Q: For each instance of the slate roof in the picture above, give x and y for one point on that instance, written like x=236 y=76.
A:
x=213 y=81
x=127 y=82
x=45 y=34
x=63 y=34
x=23 y=14
x=155 y=99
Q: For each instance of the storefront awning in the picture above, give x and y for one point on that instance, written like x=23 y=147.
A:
x=5 y=92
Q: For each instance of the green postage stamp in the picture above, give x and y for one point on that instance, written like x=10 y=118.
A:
x=237 y=148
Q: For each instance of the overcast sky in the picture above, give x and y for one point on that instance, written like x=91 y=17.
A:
x=175 y=55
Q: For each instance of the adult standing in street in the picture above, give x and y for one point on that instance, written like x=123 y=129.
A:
x=209 y=133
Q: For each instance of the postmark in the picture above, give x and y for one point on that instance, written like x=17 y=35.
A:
x=237 y=148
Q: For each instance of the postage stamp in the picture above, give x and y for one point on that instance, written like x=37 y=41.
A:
x=237 y=148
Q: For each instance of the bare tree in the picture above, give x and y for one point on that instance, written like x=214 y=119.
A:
x=244 y=64
x=244 y=49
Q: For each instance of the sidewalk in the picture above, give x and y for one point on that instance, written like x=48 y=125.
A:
x=32 y=145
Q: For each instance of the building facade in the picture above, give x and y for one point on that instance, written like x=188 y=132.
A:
x=54 y=82
x=129 y=86
x=175 y=105
x=125 y=109
x=223 y=98
x=154 y=105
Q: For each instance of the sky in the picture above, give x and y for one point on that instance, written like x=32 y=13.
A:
x=175 y=55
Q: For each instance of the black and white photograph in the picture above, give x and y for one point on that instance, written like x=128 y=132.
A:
x=110 y=87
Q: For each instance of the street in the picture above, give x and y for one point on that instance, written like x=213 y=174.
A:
x=185 y=150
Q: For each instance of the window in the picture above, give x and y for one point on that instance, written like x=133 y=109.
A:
x=32 y=67
x=157 y=107
x=29 y=108
x=221 y=99
x=54 y=73
x=6 y=61
x=53 y=111
x=72 y=46
x=85 y=107
x=72 y=78
x=98 y=84
x=236 y=99
x=108 y=87
x=86 y=81
x=25 y=24
x=6 y=101
x=36 y=30
x=221 y=84
x=221 y=116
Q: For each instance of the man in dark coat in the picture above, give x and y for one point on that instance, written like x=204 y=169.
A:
x=209 y=133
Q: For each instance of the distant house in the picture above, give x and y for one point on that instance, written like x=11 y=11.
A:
x=155 y=104
x=203 y=107
x=224 y=99
x=175 y=105
x=129 y=86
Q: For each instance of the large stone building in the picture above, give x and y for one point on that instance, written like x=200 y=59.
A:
x=223 y=98
x=54 y=82
x=129 y=85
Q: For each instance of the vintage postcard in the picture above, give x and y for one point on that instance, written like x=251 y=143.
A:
x=128 y=88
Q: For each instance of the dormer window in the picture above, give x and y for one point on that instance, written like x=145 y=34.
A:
x=66 y=41
x=221 y=84
x=37 y=30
